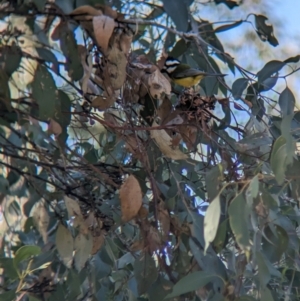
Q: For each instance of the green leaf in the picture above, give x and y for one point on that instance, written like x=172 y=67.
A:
x=8 y=296
x=268 y=83
x=238 y=218
x=63 y=114
x=11 y=57
x=269 y=69
x=190 y=282
x=24 y=253
x=246 y=298
x=220 y=238
x=169 y=40
x=238 y=87
x=266 y=294
x=14 y=208
x=229 y=3
x=263 y=270
x=4 y=185
x=9 y=269
x=254 y=187
x=48 y=56
x=278 y=159
x=228 y=26
x=65 y=245
x=40 y=4
x=4 y=91
x=212 y=180
x=211 y=221
x=44 y=92
x=225 y=122
x=294 y=59
x=74 y=285
x=287 y=102
x=172 y=8
x=160 y=288
x=69 y=48
x=155 y=13
x=145 y=272
x=264 y=31
x=180 y=47
x=274 y=235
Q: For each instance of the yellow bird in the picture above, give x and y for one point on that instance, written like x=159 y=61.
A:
x=184 y=75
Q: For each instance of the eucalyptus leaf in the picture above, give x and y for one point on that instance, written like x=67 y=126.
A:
x=238 y=218
x=238 y=87
x=189 y=283
x=287 y=102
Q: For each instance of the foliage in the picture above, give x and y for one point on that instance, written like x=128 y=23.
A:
x=117 y=185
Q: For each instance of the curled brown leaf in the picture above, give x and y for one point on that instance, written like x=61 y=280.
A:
x=103 y=28
x=131 y=198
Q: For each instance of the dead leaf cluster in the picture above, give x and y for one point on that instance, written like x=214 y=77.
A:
x=145 y=78
x=114 y=42
x=191 y=113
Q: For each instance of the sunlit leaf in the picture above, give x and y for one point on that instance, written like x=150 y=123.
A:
x=64 y=245
x=211 y=221
x=24 y=253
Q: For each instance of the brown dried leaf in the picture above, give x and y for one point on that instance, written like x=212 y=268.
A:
x=54 y=127
x=161 y=62
x=87 y=68
x=98 y=242
x=114 y=71
x=41 y=219
x=84 y=15
x=164 y=109
x=153 y=240
x=164 y=142
x=143 y=212
x=108 y=11
x=189 y=135
x=137 y=246
x=176 y=140
x=103 y=29
x=131 y=198
x=111 y=117
x=164 y=219
x=102 y=102
x=158 y=84
x=85 y=12
x=133 y=146
x=125 y=41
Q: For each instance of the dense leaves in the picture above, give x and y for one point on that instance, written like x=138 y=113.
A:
x=117 y=184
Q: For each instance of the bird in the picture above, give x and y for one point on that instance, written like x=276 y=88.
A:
x=184 y=75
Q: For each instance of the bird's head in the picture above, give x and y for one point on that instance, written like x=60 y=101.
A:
x=170 y=65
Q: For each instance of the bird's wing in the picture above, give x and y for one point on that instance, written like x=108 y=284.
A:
x=189 y=73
